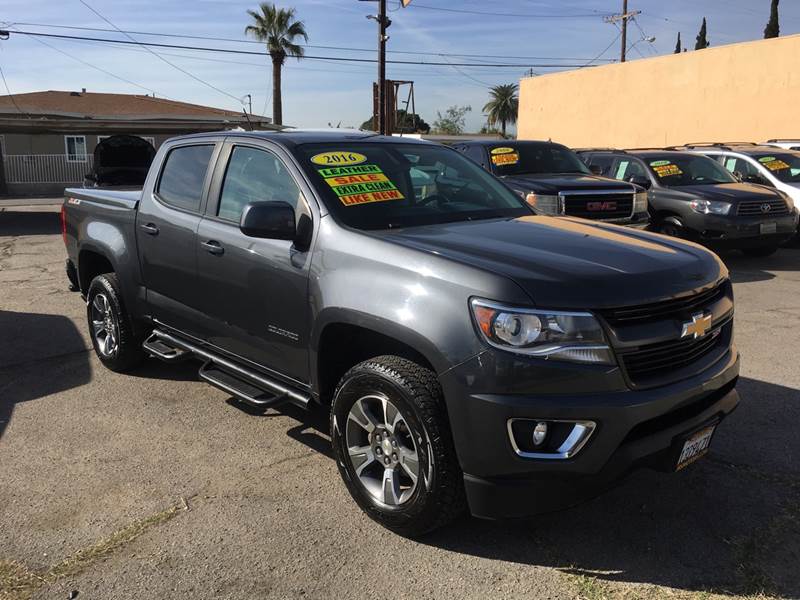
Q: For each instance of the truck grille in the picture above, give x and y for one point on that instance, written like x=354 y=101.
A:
x=602 y=207
x=678 y=308
x=653 y=361
x=757 y=208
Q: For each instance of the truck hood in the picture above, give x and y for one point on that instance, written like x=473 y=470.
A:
x=557 y=182
x=728 y=192
x=570 y=263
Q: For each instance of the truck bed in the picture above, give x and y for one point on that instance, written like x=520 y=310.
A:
x=117 y=197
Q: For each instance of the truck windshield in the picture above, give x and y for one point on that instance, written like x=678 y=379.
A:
x=386 y=185
x=676 y=170
x=783 y=166
x=534 y=158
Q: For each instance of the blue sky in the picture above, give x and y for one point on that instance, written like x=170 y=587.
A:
x=316 y=92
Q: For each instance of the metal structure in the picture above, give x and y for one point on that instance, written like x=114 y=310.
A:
x=624 y=17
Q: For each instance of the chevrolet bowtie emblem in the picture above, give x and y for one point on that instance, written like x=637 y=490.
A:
x=698 y=326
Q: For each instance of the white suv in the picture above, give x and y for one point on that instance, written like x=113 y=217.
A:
x=753 y=163
x=786 y=144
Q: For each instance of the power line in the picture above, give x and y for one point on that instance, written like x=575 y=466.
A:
x=415 y=5
x=309 y=57
x=344 y=48
x=10 y=95
x=607 y=48
x=154 y=53
x=93 y=66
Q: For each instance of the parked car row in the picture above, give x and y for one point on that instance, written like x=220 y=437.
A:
x=738 y=196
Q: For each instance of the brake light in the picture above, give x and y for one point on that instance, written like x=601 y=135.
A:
x=64 y=224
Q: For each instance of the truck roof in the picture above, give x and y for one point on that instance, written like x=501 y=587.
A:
x=295 y=137
x=506 y=142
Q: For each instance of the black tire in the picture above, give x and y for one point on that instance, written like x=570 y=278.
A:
x=672 y=228
x=438 y=496
x=127 y=352
x=760 y=252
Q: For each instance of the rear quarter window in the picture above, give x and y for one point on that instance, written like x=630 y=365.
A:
x=183 y=176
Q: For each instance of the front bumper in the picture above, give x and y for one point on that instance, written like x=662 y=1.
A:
x=634 y=427
x=742 y=232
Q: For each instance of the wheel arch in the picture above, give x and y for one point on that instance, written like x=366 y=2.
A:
x=345 y=339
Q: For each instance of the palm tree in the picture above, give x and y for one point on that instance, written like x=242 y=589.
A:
x=503 y=106
x=279 y=29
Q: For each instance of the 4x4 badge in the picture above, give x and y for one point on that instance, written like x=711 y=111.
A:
x=698 y=326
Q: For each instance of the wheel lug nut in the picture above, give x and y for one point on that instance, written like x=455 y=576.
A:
x=394 y=456
x=394 y=443
x=377 y=437
x=378 y=451
x=386 y=461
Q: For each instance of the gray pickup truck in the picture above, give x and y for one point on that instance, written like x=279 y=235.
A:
x=471 y=353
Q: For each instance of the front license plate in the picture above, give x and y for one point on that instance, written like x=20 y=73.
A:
x=769 y=227
x=695 y=446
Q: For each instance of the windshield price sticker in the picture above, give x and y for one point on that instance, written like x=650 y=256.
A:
x=360 y=184
x=338 y=157
x=664 y=168
x=511 y=158
x=772 y=163
x=504 y=150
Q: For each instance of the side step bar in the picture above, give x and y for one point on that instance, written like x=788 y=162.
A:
x=236 y=386
x=248 y=385
x=163 y=351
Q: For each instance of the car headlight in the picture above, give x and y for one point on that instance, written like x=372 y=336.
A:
x=547 y=205
x=640 y=202
x=557 y=335
x=710 y=207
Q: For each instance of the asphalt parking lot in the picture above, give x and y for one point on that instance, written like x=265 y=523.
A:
x=155 y=485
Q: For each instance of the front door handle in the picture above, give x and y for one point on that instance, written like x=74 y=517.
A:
x=213 y=247
x=149 y=229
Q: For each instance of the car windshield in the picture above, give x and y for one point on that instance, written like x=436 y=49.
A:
x=676 y=170
x=534 y=158
x=387 y=185
x=785 y=166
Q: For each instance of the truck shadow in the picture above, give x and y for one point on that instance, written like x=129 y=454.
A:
x=730 y=524
x=44 y=222
x=746 y=269
x=29 y=367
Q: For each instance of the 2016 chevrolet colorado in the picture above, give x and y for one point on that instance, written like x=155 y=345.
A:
x=473 y=354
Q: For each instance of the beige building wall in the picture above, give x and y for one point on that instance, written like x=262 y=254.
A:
x=739 y=92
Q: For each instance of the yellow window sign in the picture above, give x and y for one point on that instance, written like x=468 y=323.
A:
x=665 y=168
x=505 y=159
x=773 y=163
x=338 y=158
x=503 y=150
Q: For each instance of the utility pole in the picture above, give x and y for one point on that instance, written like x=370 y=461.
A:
x=382 y=25
x=624 y=17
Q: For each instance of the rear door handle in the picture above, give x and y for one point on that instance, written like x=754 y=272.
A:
x=213 y=247
x=149 y=229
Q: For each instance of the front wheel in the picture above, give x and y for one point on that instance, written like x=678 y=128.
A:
x=392 y=442
x=110 y=325
x=761 y=251
x=671 y=227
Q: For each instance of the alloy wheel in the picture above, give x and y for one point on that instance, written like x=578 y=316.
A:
x=105 y=328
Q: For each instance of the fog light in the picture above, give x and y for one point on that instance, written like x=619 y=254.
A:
x=539 y=433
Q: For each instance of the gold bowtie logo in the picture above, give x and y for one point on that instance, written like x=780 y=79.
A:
x=698 y=326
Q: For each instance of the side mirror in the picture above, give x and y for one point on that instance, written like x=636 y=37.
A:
x=738 y=175
x=271 y=220
x=643 y=182
x=596 y=169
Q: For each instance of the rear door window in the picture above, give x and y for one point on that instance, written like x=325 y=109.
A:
x=183 y=176
x=627 y=168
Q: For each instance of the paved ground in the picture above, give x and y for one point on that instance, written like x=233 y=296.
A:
x=155 y=485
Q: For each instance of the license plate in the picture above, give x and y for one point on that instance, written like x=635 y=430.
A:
x=769 y=227
x=695 y=446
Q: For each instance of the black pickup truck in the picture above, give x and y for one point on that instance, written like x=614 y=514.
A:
x=471 y=353
x=553 y=180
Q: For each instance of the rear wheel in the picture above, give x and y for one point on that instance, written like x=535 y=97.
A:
x=761 y=251
x=110 y=325
x=392 y=441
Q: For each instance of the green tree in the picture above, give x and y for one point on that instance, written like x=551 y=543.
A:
x=279 y=30
x=678 y=48
x=453 y=120
x=773 y=28
x=406 y=123
x=503 y=106
x=702 y=37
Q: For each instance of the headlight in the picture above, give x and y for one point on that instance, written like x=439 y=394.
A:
x=547 y=205
x=710 y=207
x=640 y=202
x=571 y=336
